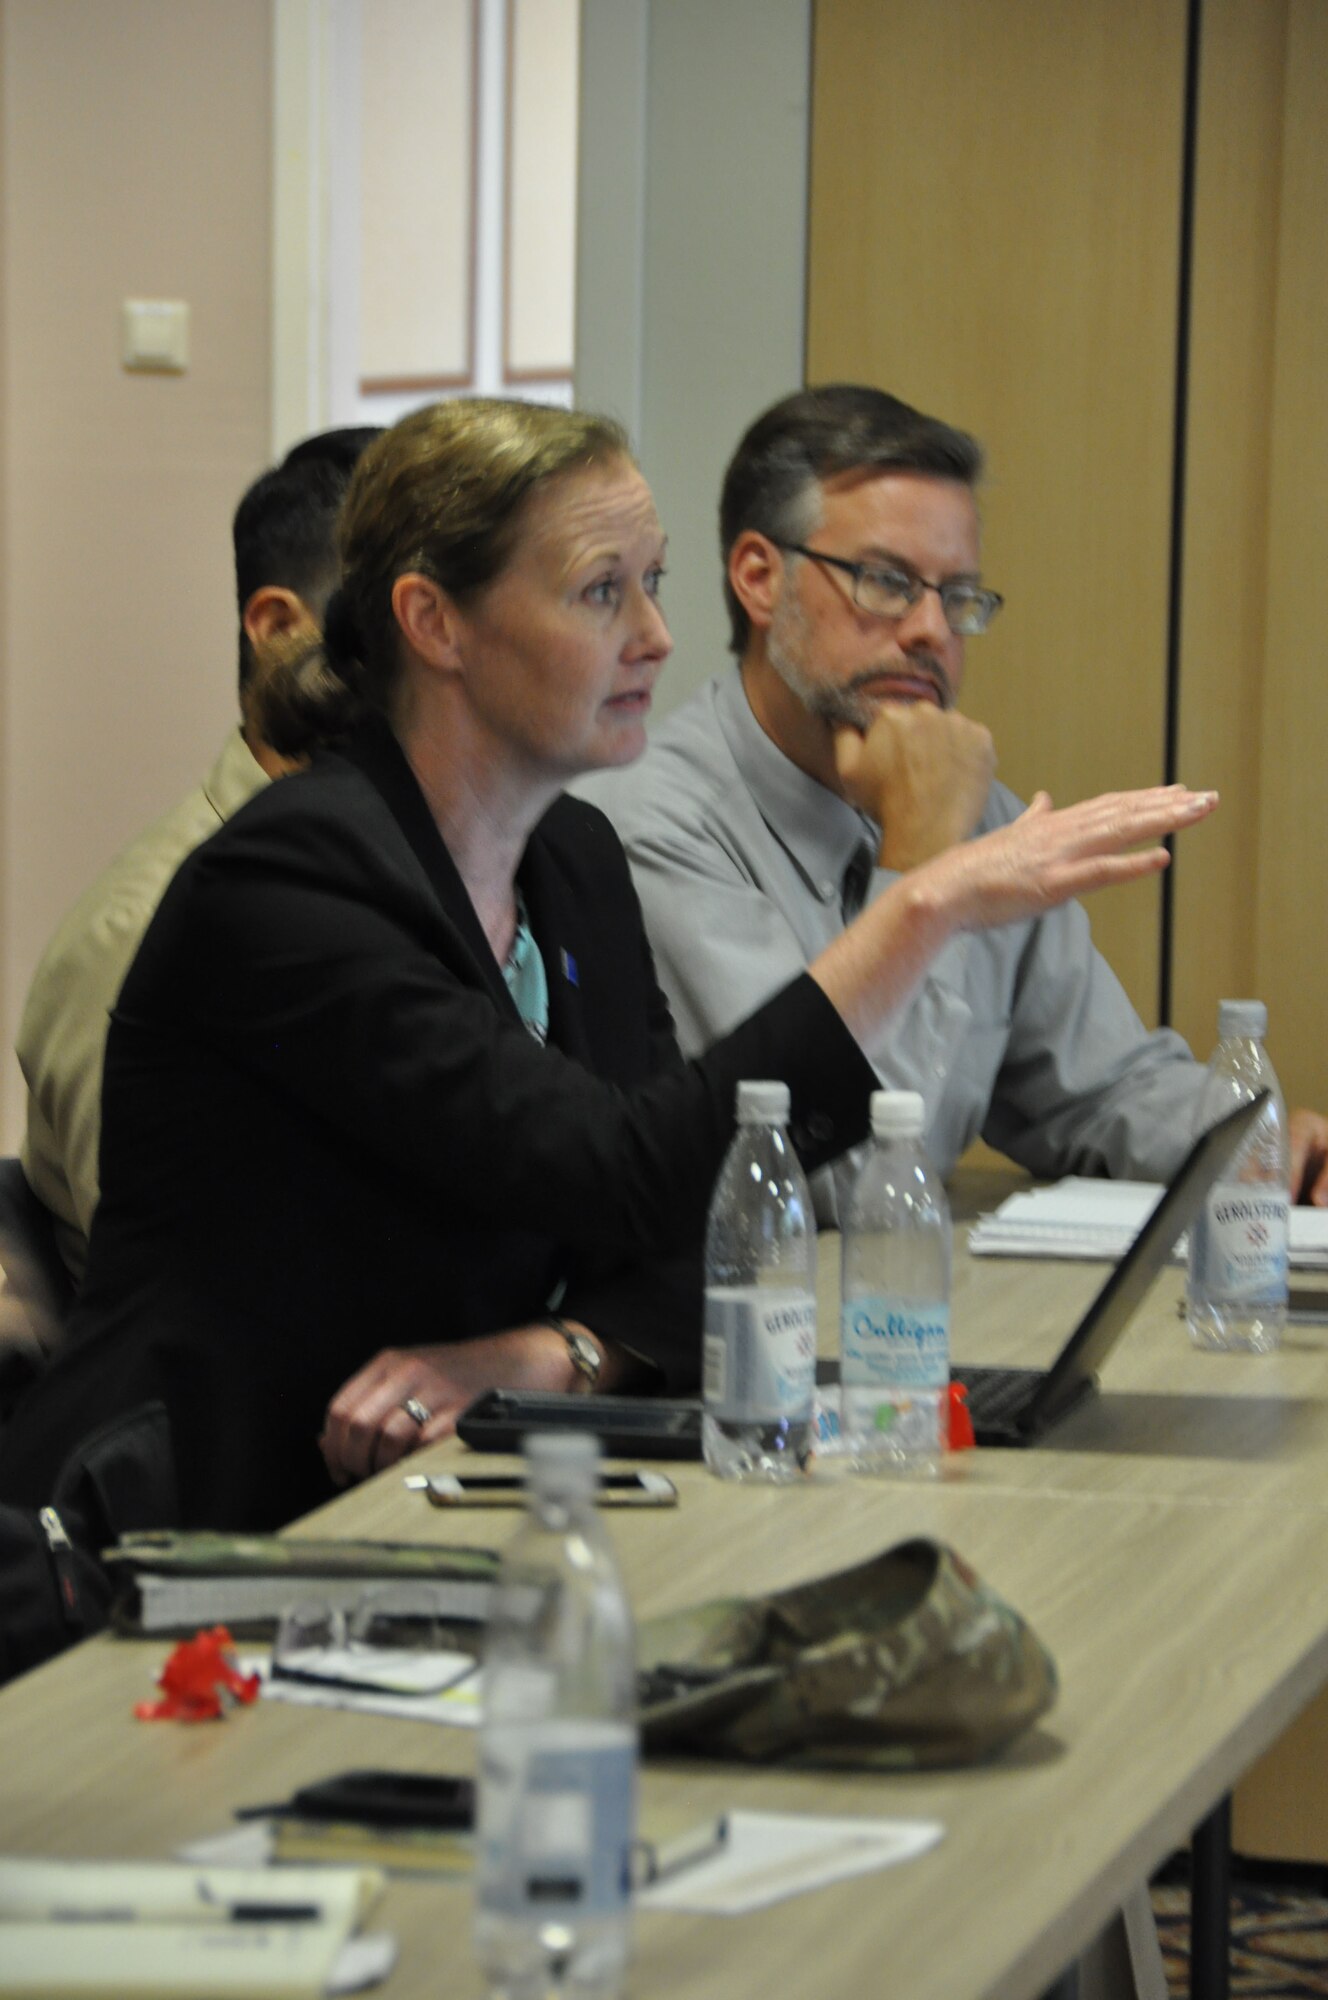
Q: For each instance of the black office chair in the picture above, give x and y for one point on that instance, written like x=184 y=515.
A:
x=36 y=1290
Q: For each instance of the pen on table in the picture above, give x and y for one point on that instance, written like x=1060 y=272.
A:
x=231 y=1913
x=689 y=1850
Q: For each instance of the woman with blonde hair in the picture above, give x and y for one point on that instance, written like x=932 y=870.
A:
x=393 y=1110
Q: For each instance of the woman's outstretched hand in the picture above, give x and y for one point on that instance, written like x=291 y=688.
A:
x=1017 y=872
x=1046 y=856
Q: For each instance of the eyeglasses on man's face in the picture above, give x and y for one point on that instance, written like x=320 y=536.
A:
x=886 y=591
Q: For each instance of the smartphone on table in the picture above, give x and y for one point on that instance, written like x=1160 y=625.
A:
x=638 y=1488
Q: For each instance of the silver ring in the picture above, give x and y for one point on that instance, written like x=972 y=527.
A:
x=418 y=1412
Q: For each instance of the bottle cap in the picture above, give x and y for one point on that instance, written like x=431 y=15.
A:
x=763 y=1103
x=1241 y=1017
x=561 y=1461
x=897 y=1114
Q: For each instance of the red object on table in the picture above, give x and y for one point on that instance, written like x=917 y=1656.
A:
x=961 y=1423
x=200 y=1681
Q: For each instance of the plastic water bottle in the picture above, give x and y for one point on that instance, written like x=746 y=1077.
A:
x=557 y=1754
x=1236 y=1295
x=760 y=1299
x=894 y=1329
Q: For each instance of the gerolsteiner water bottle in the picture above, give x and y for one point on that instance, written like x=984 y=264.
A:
x=557 y=1786
x=1236 y=1292
x=894 y=1336
x=760 y=1299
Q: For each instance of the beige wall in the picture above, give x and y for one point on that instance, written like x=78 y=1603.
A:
x=134 y=162
x=1039 y=243
x=1040 y=307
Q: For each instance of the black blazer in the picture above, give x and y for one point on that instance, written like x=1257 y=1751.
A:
x=326 y=1131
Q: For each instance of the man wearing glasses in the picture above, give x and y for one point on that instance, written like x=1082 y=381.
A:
x=784 y=795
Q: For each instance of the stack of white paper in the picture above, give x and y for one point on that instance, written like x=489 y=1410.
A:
x=1073 y=1218
x=1100 y=1219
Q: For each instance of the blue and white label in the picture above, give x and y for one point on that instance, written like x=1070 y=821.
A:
x=895 y=1343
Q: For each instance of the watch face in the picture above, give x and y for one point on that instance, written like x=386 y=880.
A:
x=585 y=1356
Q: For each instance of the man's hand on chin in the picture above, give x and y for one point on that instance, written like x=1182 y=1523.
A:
x=923 y=774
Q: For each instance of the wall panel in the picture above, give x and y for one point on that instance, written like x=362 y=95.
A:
x=417 y=194
x=994 y=235
x=539 y=217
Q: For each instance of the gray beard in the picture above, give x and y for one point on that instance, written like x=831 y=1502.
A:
x=846 y=707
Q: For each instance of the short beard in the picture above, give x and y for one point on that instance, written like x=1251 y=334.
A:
x=787 y=645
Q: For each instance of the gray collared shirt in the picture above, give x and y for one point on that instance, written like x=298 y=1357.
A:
x=746 y=870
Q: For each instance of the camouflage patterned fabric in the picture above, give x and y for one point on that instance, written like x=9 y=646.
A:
x=901 y=1663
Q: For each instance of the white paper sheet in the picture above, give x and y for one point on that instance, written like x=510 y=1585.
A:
x=769 y=1856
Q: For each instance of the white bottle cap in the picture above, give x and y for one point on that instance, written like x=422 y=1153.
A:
x=896 y=1114
x=763 y=1103
x=1241 y=1017
x=561 y=1461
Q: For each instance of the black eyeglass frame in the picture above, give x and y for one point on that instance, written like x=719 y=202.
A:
x=986 y=603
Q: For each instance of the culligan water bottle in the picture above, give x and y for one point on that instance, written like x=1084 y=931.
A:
x=760 y=1299
x=557 y=1753
x=894 y=1341
x=1236 y=1295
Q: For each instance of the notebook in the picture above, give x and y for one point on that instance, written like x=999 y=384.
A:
x=1018 y=1406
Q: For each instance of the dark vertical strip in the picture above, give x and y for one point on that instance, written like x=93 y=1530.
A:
x=1180 y=437
x=1210 y=1905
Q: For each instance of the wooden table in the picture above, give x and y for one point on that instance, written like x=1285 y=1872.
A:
x=1161 y=1547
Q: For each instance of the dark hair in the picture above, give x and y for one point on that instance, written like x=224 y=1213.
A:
x=773 y=479
x=342 y=448
x=284 y=531
x=441 y=493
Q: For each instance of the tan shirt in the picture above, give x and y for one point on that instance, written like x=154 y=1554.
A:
x=62 y=1038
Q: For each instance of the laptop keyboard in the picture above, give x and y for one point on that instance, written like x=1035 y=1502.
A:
x=997 y=1395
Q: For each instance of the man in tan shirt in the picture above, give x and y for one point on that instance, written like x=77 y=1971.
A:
x=285 y=569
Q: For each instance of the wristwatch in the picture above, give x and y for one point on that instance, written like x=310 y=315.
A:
x=585 y=1356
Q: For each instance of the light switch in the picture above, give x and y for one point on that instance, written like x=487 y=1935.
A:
x=155 y=335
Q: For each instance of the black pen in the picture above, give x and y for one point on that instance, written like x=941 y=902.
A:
x=275 y=1913
x=209 y=1911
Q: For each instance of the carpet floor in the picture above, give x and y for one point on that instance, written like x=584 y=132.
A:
x=1279 y=1931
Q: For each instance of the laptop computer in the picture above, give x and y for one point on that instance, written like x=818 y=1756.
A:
x=1018 y=1406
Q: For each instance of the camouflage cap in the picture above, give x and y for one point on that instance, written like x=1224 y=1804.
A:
x=903 y=1662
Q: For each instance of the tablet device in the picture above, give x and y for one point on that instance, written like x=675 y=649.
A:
x=627 y=1426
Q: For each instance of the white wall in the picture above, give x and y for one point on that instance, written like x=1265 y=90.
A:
x=691 y=258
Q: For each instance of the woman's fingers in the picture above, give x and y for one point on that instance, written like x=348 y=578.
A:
x=368 y=1424
x=1047 y=856
x=1114 y=821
